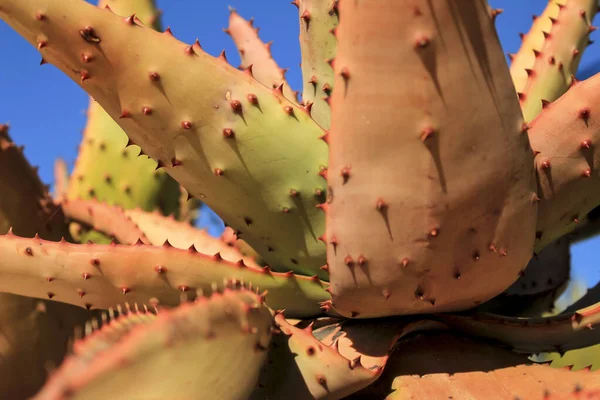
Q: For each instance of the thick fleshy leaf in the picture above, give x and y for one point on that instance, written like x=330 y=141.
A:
x=565 y=138
x=542 y=282
x=101 y=276
x=204 y=346
x=426 y=92
x=131 y=226
x=549 y=55
x=223 y=135
x=439 y=366
x=562 y=332
x=328 y=359
x=254 y=52
x=318 y=20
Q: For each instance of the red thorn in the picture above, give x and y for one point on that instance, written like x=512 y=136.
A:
x=422 y=43
x=345 y=73
x=248 y=70
x=130 y=20
x=545 y=103
x=183 y=288
x=345 y=173
x=334 y=241
x=189 y=50
x=159 y=269
x=308 y=107
x=218 y=172
x=495 y=12
x=545 y=164
x=322 y=206
x=228 y=133
x=125 y=290
x=186 y=124
x=586 y=144
x=85 y=75
x=154 y=76
x=125 y=114
x=252 y=98
x=325 y=268
x=223 y=56
x=427 y=133
x=587 y=173
x=236 y=106
x=168 y=31
x=80 y=292
x=86 y=58
x=289 y=110
x=85 y=276
x=146 y=110
x=50 y=295
x=348 y=261
x=584 y=114
x=278 y=89
x=305 y=16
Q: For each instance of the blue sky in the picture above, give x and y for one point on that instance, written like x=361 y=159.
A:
x=46 y=109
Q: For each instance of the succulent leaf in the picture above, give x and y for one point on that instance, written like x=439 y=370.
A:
x=543 y=67
x=211 y=340
x=131 y=226
x=229 y=147
x=101 y=276
x=318 y=20
x=104 y=218
x=541 y=283
x=108 y=167
x=564 y=138
x=25 y=203
x=562 y=332
x=331 y=362
x=435 y=209
x=34 y=334
x=254 y=52
x=439 y=366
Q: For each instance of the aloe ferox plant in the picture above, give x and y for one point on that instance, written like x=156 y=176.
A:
x=402 y=232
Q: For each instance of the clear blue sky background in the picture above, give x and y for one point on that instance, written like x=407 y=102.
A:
x=46 y=109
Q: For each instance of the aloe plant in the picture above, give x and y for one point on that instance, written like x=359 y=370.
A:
x=397 y=232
